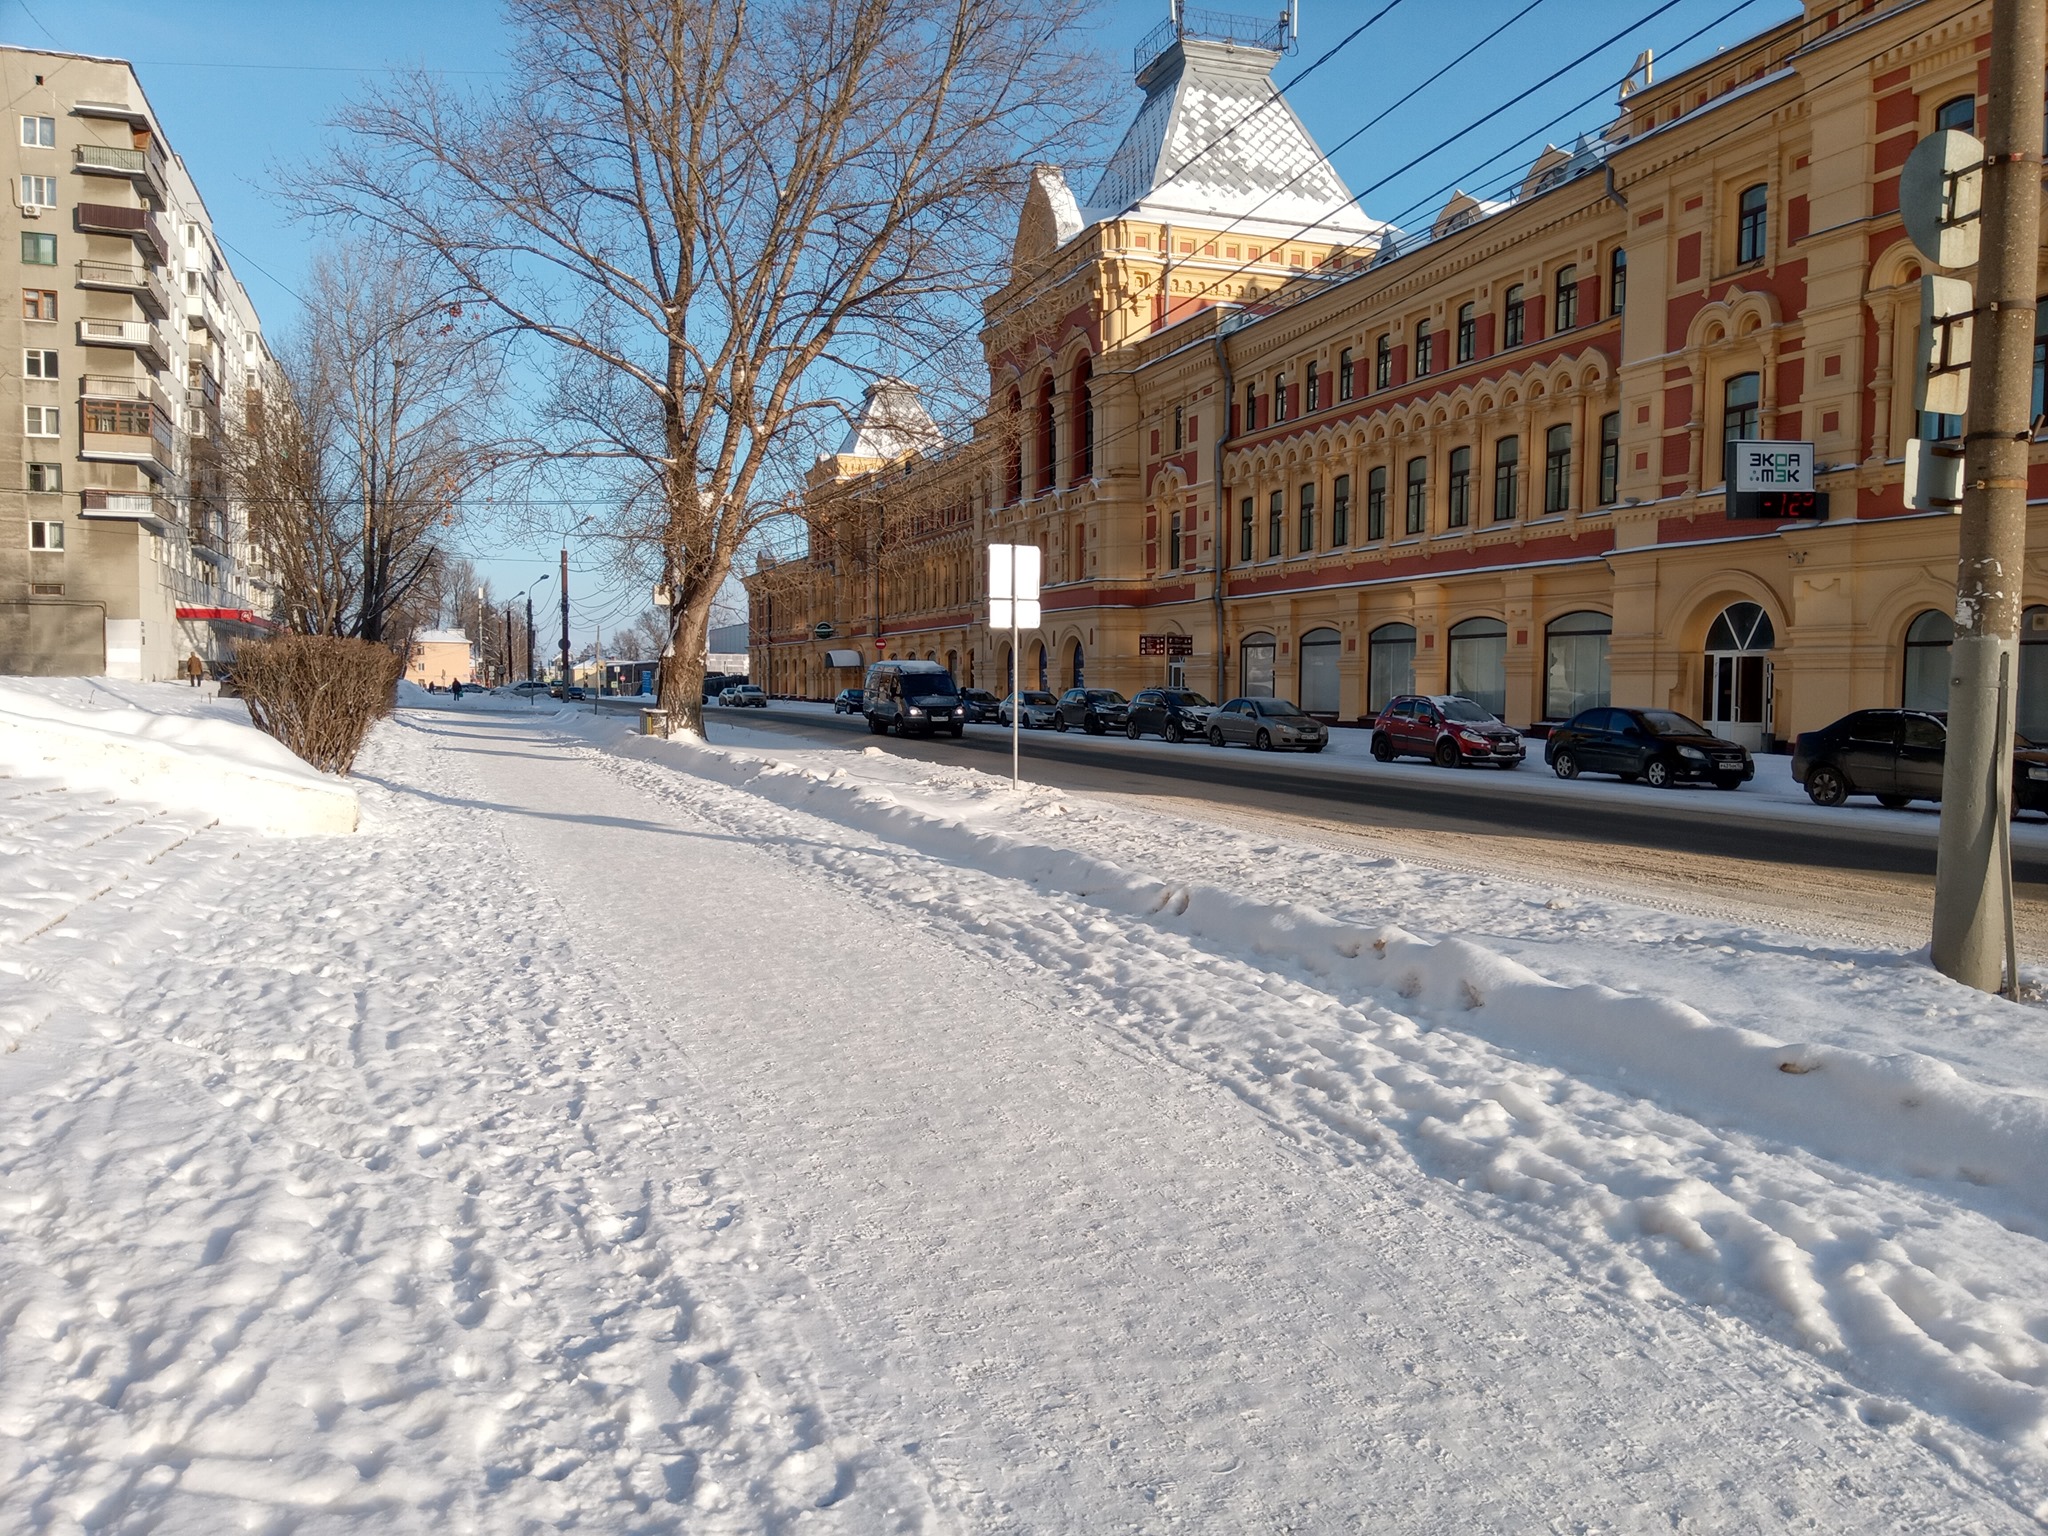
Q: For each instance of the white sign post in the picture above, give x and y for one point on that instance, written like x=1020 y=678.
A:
x=1013 y=572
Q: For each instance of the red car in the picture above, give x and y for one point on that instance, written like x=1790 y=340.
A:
x=1448 y=730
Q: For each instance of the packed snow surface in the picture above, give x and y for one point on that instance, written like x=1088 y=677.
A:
x=635 y=1135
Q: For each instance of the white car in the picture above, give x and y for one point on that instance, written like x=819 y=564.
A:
x=1038 y=709
x=743 y=696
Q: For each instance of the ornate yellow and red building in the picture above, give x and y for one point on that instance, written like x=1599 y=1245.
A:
x=1341 y=461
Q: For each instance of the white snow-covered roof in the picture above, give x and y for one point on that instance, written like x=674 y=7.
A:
x=891 y=422
x=440 y=637
x=1216 y=143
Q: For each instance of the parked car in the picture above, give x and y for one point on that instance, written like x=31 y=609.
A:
x=847 y=703
x=1659 y=746
x=981 y=704
x=1038 y=709
x=1094 y=710
x=1267 y=724
x=1175 y=713
x=912 y=696
x=1896 y=756
x=1447 y=729
x=743 y=696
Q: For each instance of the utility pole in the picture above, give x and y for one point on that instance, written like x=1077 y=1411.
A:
x=508 y=642
x=529 y=634
x=565 y=615
x=1973 y=875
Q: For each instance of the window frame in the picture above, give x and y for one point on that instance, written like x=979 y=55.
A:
x=33 y=127
x=1376 y=493
x=47 y=422
x=1565 y=299
x=43 y=529
x=51 y=474
x=1617 y=281
x=1311 y=388
x=1247 y=521
x=1750 y=412
x=1609 y=489
x=1415 y=504
x=1458 y=488
x=1557 y=468
x=43 y=187
x=1305 y=510
x=1506 y=475
x=1425 y=350
x=1752 y=224
x=1276 y=525
x=1383 y=362
x=35 y=241
x=1514 y=316
x=1467 y=333
x=1340 y=511
x=39 y=363
x=1345 y=379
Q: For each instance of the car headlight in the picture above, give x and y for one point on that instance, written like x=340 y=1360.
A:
x=914 y=710
x=1693 y=754
x=1472 y=738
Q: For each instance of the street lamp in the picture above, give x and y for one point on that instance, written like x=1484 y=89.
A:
x=565 y=601
x=529 y=636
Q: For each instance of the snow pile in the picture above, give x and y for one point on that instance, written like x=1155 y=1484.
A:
x=233 y=773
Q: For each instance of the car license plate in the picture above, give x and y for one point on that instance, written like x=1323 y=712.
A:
x=2037 y=773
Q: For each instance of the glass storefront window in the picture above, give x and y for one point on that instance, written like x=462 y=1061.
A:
x=1479 y=663
x=1575 y=675
x=1390 y=664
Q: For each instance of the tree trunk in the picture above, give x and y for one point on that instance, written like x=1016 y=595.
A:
x=682 y=674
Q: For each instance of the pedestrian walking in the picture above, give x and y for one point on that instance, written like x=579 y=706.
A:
x=455 y=687
x=195 y=669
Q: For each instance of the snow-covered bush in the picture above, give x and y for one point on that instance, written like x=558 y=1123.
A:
x=318 y=694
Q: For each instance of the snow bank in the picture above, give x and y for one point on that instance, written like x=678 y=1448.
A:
x=234 y=773
x=1906 y=1114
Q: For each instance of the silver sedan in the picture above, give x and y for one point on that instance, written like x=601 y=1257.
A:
x=1038 y=709
x=1267 y=724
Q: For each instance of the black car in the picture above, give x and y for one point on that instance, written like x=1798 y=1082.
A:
x=1659 y=746
x=912 y=697
x=847 y=703
x=1175 y=713
x=981 y=704
x=1095 y=710
x=1896 y=756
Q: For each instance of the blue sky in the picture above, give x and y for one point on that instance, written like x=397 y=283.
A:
x=242 y=86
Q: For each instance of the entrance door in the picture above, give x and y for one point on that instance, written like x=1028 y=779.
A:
x=1738 y=682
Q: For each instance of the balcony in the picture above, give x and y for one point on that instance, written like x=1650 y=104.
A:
x=138 y=335
x=145 y=167
x=149 y=288
x=100 y=386
x=138 y=224
x=203 y=309
x=148 y=509
x=127 y=432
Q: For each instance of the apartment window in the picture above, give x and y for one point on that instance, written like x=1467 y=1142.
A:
x=38 y=250
x=1610 y=458
x=1425 y=349
x=1468 y=333
x=1557 y=468
x=39 y=132
x=1418 y=494
x=38 y=191
x=1344 y=380
x=46 y=477
x=1617 y=281
x=1244 y=530
x=1251 y=408
x=1173 y=541
x=48 y=536
x=1567 y=298
x=38 y=363
x=1511 y=318
x=1312 y=387
x=1308 y=518
x=1961 y=112
x=1180 y=427
x=1279 y=397
x=40 y=421
x=1458 y=489
x=1739 y=399
x=1376 y=505
x=1276 y=524
x=1383 y=363
x=38 y=304
x=126 y=418
x=1340 y=512
x=1507 y=464
x=1752 y=223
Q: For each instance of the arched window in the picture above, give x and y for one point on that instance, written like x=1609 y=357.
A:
x=1512 y=318
x=1013 y=455
x=1320 y=651
x=1566 y=307
x=1047 y=444
x=1752 y=224
x=1740 y=398
x=1737 y=698
x=1390 y=664
x=1080 y=668
x=1926 y=670
x=1575 y=664
x=1479 y=663
x=1255 y=666
x=1956 y=112
x=1081 y=431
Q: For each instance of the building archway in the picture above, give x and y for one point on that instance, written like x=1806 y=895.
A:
x=1078 y=671
x=1389 y=665
x=1924 y=683
x=1321 y=650
x=1255 y=656
x=1479 y=663
x=1739 y=682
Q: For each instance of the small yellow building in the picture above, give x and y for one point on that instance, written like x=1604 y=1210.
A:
x=439 y=657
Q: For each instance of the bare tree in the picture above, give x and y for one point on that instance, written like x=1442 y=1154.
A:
x=354 y=461
x=718 y=217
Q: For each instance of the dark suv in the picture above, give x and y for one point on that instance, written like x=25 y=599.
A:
x=1175 y=713
x=912 y=696
x=1445 y=728
x=1659 y=746
x=1095 y=710
x=1896 y=755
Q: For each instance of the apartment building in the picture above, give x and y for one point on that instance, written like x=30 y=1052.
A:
x=122 y=550
x=1336 y=460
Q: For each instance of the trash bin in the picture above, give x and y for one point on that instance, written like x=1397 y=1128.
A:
x=654 y=722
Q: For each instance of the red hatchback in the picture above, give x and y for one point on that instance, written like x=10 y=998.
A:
x=1448 y=730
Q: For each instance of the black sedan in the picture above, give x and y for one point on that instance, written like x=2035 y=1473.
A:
x=847 y=702
x=980 y=703
x=1896 y=756
x=1659 y=746
x=1094 y=710
x=1175 y=713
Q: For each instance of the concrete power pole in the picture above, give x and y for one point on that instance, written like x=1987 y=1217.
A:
x=565 y=618
x=1973 y=878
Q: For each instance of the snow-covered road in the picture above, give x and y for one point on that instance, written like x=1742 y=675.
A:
x=612 y=1136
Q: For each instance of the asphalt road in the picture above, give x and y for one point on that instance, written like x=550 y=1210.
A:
x=1704 y=822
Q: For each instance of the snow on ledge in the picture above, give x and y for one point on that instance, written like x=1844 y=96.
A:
x=234 y=773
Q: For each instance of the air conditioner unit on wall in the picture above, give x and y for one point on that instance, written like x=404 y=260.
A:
x=31 y=211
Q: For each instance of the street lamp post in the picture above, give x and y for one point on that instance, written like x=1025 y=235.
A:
x=529 y=638
x=565 y=602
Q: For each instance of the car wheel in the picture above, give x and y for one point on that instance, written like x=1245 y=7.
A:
x=1059 y=722
x=1263 y=742
x=1215 y=735
x=1566 y=764
x=878 y=727
x=1658 y=775
x=1131 y=730
x=1093 y=726
x=1826 y=786
x=1729 y=781
x=1382 y=747
x=1447 y=754
x=959 y=731
x=1895 y=802
x=1174 y=733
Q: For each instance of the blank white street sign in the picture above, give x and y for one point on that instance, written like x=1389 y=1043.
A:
x=1027 y=613
x=1013 y=571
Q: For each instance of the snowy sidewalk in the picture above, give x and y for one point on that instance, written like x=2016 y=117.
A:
x=588 y=1143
